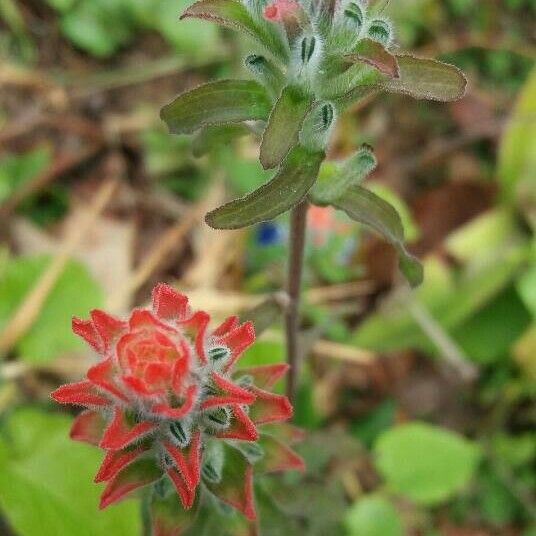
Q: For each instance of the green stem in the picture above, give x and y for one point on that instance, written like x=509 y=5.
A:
x=292 y=315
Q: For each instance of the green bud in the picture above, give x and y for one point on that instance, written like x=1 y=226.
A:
x=354 y=14
x=308 y=45
x=266 y=72
x=221 y=417
x=180 y=433
x=317 y=126
x=380 y=30
x=219 y=353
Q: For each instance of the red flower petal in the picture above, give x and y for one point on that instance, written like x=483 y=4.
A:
x=135 y=475
x=186 y=494
x=237 y=341
x=277 y=456
x=236 y=485
x=269 y=407
x=242 y=427
x=232 y=393
x=88 y=427
x=168 y=303
x=264 y=376
x=108 y=327
x=115 y=461
x=88 y=332
x=80 y=393
x=176 y=413
x=187 y=460
x=101 y=374
x=137 y=385
x=119 y=433
x=197 y=325
x=142 y=318
x=227 y=325
x=181 y=366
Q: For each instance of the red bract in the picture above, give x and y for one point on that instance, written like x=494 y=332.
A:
x=170 y=409
x=281 y=9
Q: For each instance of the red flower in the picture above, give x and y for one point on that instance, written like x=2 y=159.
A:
x=167 y=405
x=281 y=9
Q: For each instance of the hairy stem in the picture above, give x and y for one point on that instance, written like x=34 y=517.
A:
x=292 y=316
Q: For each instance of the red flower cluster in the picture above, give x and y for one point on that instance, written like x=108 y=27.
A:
x=167 y=405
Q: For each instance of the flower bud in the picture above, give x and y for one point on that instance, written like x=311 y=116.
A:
x=380 y=30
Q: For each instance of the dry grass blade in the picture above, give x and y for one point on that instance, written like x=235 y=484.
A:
x=32 y=304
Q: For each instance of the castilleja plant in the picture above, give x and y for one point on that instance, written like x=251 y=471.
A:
x=171 y=409
x=313 y=59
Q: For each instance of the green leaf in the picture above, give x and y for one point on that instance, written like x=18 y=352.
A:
x=224 y=101
x=215 y=136
x=98 y=27
x=46 y=481
x=486 y=337
x=335 y=179
x=16 y=169
x=427 y=79
x=234 y=15
x=75 y=293
x=367 y=208
x=373 y=515
x=517 y=159
x=451 y=301
x=375 y=54
x=425 y=463
x=284 y=125
x=289 y=186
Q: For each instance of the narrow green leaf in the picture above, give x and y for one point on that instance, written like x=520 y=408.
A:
x=375 y=54
x=517 y=153
x=289 y=186
x=334 y=180
x=216 y=135
x=284 y=125
x=427 y=79
x=224 y=101
x=234 y=15
x=367 y=208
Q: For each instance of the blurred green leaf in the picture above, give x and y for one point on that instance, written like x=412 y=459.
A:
x=224 y=101
x=367 y=208
x=46 y=481
x=99 y=27
x=199 y=40
x=16 y=169
x=284 y=125
x=373 y=515
x=426 y=463
x=288 y=187
x=215 y=136
x=427 y=79
x=517 y=159
x=75 y=293
x=450 y=300
x=486 y=336
x=232 y=14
